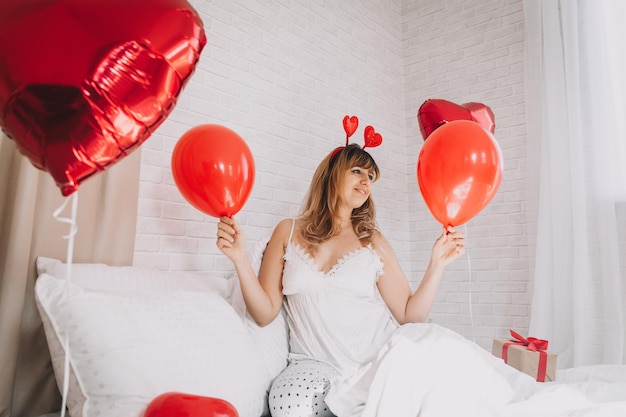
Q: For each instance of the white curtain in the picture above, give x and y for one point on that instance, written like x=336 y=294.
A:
x=575 y=67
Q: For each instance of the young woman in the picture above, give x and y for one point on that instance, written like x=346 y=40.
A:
x=342 y=288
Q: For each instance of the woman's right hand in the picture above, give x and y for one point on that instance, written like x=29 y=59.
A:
x=449 y=246
x=231 y=240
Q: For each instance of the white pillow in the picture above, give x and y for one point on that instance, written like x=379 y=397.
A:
x=272 y=341
x=128 y=346
x=131 y=278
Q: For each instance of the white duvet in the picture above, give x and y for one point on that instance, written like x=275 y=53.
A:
x=429 y=371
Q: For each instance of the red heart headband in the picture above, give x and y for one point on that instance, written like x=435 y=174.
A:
x=371 y=138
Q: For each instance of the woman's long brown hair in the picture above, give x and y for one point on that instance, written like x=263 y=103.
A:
x=320 y=210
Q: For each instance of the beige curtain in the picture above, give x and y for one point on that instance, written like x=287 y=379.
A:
x=106 y=219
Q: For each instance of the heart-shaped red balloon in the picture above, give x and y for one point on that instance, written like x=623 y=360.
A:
x=176 y=404
x=482 y=115
x=435 y=112
x=85 y=82
x=459 y=171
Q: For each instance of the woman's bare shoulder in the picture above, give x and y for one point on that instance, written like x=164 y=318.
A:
x=282 y=231
x=381 y=245
x=378 y=238
x=285 y=225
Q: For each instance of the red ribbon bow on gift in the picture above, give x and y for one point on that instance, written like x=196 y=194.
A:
x=531 y=343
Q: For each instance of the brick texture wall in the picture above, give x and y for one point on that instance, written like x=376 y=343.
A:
x=283 y=74
x=472 y=51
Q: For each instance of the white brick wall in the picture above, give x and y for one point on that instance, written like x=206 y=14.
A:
x=283 y=74
x=466 y=51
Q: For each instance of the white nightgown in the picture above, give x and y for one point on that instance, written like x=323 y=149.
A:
x=336 y=317
x=339 y=318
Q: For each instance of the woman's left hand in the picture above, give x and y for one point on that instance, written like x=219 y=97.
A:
x=449 y=246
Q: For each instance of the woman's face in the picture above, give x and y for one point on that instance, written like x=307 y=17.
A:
x=356 y=186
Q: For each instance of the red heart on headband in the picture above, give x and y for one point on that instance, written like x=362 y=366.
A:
x=372 y=139
x=350 y=124
x=435 y=112
x=84 y=83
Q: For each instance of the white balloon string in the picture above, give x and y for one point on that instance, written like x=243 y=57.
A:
x=469 y=268
x=68 y=276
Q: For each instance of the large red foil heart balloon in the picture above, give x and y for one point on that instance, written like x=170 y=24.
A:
x=435 y=112
x=176 y=404
x=85 y=82
x=481 y=114
x=213 y=169
x=459 y=171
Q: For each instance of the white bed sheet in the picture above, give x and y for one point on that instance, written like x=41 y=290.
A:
x=604 y=387
x=607 y=373
x=589 y=391
x=429 y=371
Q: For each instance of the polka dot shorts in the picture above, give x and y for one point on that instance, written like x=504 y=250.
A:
x=300 y=389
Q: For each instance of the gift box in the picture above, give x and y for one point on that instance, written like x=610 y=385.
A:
x=528 y=355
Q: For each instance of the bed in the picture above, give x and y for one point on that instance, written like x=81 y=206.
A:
x=135 y=333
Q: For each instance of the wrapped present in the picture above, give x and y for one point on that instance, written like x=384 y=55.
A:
x=528 y=355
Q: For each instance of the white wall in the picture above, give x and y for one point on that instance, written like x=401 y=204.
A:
x=466 y=51
x=284 y=73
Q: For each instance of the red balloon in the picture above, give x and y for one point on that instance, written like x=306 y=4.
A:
x=459 y=171
x=435 y=112
x=482 y=115
x=213 y=169
x=85 y=82
x=175 y=404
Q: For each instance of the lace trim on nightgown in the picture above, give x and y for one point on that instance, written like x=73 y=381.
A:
x=310 y=262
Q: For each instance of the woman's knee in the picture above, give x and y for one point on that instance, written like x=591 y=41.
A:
x=299 y=390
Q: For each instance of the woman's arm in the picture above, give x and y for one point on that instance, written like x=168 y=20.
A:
x=405 y=306
x=263 y=295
